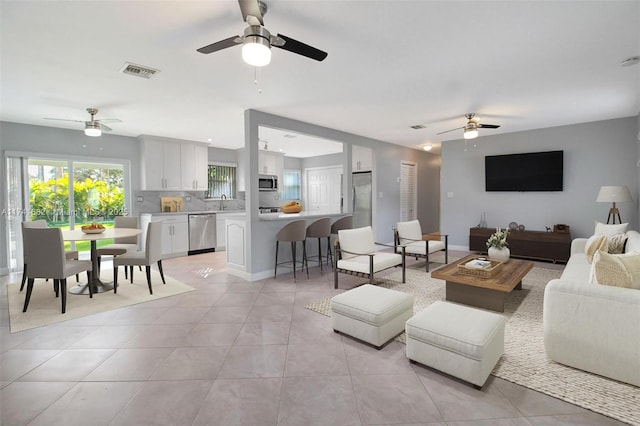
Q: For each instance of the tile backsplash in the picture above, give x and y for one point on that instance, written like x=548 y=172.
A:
x=193 y=201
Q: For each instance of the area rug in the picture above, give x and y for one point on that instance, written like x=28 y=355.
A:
x=45 y=308
x=524 y=361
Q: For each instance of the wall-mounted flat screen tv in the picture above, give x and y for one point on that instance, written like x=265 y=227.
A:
x=533 y=171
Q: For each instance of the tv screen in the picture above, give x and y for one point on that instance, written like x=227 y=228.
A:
x=534 y=171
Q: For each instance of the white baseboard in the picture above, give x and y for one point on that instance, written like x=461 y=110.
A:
x=459 y=248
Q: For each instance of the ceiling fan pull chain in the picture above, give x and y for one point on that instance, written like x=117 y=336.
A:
x=256 y=79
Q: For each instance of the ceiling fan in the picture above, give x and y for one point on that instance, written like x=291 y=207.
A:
x=472 y=126
x=93 y=127
x=257 y=40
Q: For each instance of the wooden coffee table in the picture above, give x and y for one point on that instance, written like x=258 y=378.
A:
x=487 y=293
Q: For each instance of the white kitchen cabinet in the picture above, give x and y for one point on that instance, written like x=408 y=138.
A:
x=221 y=228
x=160 y=165
x=361 y=159
x=270 y=163
x=194 y=164
x=175 y=235
x=236 y=247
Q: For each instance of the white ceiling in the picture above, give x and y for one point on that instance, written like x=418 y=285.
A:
x=391 y=64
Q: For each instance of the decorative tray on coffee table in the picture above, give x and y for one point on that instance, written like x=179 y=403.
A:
x=480 y=267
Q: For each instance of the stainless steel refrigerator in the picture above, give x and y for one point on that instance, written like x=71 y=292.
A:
x=362 y=199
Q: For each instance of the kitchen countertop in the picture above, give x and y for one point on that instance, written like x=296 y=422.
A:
x=301 y=215
x=195 y=212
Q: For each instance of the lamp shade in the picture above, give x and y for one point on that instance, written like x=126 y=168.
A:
x=614 y=194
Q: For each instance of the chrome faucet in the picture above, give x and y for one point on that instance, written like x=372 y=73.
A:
x=223 y=197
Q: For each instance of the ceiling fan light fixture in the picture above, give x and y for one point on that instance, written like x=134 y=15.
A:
x=92 y=129
x=256 y=51
x=470 y=131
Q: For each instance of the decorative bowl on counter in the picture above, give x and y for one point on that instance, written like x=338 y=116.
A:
x=291 y=208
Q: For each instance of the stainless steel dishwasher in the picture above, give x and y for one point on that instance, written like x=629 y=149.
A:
x=202 y=233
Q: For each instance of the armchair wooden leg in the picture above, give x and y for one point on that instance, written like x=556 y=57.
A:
x=27 y=296
x=115 y=278
x=148 y=269
x=63 y=285
x=161 y=273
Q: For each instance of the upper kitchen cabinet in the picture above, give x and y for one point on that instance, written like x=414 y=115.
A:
x=173 y=165
x=270 y=163
x=361 y=159
x=160 y=165
x=194 y=160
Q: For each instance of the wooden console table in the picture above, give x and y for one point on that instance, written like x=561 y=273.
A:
x=553 y=246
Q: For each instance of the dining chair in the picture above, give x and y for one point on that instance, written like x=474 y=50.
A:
x=409 y=235
x=152 y=253
x=355 y=253
x=121 y=245
x=47 y=259
x=40 y=223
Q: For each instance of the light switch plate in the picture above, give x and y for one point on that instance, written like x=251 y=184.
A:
x=140 y=199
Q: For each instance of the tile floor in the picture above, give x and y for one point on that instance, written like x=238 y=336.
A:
x=235 y=352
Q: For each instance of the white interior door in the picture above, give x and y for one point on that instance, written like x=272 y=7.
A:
x=408 y=191
x=323 y=189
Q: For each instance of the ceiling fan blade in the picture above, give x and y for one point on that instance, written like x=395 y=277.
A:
x=300 y=48
x=64 y=119
x=219 y=45
x=489 y=126
x=250 y=8
x=103 y=127
x=109 y=120
x=447 y=131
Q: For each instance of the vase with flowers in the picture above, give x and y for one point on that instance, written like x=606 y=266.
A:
x=497 y=245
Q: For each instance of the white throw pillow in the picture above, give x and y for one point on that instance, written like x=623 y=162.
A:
x=595 y=243
x=608 y=230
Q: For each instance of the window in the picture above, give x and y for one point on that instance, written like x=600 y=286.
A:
x=221 y=181
x=408 y=191
x=290 y=185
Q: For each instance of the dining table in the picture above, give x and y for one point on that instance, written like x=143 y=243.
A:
x=97 y=286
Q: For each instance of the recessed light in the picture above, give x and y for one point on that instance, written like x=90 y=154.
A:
x=633 y=60
x=209 y=140
x=289 y=136
x=428 y=147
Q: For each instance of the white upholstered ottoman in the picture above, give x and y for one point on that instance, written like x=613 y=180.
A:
x=458 y=340
x=371 y=313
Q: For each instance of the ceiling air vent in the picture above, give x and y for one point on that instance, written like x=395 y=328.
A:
x=418 y=126
x=139 y=70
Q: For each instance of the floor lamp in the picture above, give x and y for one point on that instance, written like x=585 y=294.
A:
x=614 y=194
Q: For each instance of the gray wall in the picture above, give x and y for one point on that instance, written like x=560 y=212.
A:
x=387 y=159
x=595 y=154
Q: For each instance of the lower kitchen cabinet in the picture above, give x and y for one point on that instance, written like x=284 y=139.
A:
x=236 y=247
x=221 y=228
x=175 y=233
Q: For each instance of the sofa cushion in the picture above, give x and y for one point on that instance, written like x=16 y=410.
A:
x=606 y=229
x=616 y=243
x=577 y=268
x=617 y=270
x=595 y=243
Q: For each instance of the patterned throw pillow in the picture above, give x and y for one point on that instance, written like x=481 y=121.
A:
x=616 y=243
x=622 y=270
x=595 y=243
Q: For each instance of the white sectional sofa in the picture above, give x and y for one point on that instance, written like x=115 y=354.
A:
x=593 y=327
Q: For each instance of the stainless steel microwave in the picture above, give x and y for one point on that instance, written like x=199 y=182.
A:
x=268 y=183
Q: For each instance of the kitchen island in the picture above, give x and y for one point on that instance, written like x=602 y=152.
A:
x=261 y=253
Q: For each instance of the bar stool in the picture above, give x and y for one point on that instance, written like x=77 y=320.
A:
x=319 y=229
x=292 y=232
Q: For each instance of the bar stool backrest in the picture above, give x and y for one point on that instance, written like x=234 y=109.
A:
x=320 y=228
x=294 y=231
x=342 y=223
